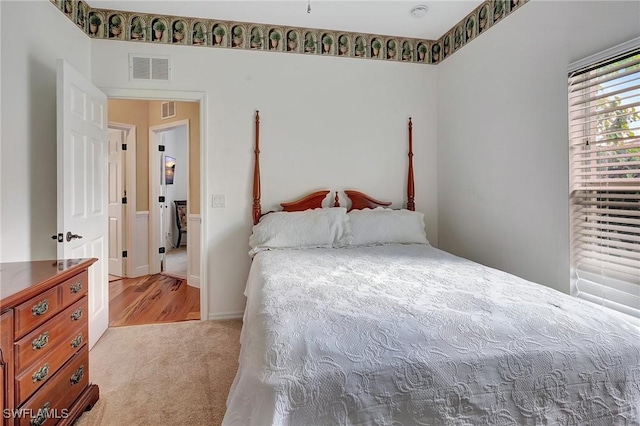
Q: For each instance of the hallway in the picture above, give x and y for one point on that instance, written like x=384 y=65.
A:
x=152 y=299
x=175 y=263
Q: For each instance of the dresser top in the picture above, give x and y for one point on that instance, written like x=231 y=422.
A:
x=19 y=281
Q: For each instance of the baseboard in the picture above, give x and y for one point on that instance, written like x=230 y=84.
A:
x=194 y=281
x=140 y=271
x=225 y=315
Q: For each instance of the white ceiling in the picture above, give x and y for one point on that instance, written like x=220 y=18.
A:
x=387 y=17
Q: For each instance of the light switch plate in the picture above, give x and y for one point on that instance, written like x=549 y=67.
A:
x=218 y=201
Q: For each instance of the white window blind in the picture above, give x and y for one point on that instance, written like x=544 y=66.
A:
x=604 y=162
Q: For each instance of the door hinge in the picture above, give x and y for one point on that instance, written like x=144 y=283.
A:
x=161 y=250
x=124 y=253
x=124 y=146
x=124 y=200
x=160 y=147
x=161 y=199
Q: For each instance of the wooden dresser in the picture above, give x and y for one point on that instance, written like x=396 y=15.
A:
x=44 y=335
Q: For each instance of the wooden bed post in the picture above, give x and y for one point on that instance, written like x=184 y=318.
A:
x=410 y=189
x=336 y=200
x=256 y=208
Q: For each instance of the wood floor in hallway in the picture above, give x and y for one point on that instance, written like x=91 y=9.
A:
x=152 y=299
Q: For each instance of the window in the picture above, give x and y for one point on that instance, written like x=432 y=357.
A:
x=604 y=164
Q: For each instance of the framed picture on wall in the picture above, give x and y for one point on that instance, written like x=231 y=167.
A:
x=169 y=169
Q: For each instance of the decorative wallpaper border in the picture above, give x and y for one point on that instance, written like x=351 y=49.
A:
x=472 y=26
x=179 y=30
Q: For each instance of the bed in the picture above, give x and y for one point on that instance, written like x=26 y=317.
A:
x=406 y=334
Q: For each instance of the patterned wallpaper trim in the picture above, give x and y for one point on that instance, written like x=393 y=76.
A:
x=472 y=26
x=179 y=30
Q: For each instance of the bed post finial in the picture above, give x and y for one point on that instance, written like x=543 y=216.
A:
x=410 y=188
x=336 y=200
x=256 y=208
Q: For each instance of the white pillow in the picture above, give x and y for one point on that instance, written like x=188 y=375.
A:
x=386 y=226
x=306 y=229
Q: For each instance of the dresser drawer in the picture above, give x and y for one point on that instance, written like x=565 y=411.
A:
x=39 y=373
x=58 y=394
x=36 y=311
x=63 y=329
x=74 y=288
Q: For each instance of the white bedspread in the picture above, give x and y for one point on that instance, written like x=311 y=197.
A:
x=406 y=335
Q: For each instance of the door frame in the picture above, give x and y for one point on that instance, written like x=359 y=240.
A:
x=129 y=215
x=190 y=96
x=154 y=183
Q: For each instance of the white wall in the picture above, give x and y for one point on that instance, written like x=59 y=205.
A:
x=33 y=35
x=326 y=123
x=0 y=136
x=502 y=135
x=175 y=141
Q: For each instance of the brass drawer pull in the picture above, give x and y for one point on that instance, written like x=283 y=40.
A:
x=76 y=288
x=77 y=341
x=41 y=341
x=41 y=416
x=41 y=308
x=41 y=374
x=75 y=316
x=77 y=376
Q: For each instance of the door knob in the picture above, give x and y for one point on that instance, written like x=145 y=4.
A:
x=71 y=236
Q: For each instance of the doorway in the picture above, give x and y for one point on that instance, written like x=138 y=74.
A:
x=169 y=218
x=121 y=146
x=150 y=236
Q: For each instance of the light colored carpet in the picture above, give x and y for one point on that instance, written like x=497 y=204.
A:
x=164 y=374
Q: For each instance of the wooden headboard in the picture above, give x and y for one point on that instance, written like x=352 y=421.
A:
x=314 y=200
x=311 y=201
x=360 y=200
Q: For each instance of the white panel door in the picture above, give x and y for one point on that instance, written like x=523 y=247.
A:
x=157 y=203
x=162 y=228
x=82 y=185
x=115 y=140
